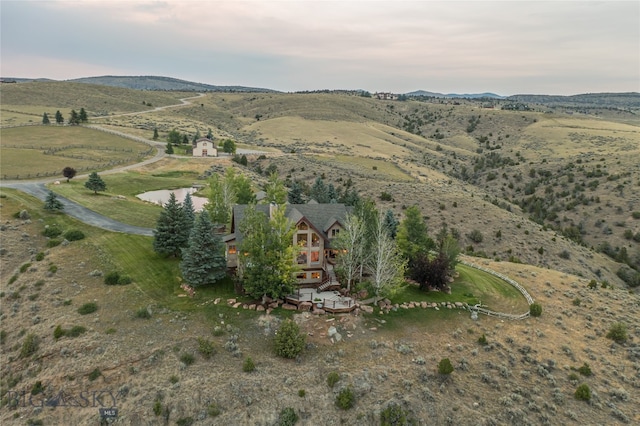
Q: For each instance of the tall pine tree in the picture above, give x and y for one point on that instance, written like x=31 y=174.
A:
x=59 y=117
x=412 y=237
x=295 y=193
x=171 y=233
x=203 y=260
x=320 y=192
x=189 y=212
x=45 y=119
x=391 y=223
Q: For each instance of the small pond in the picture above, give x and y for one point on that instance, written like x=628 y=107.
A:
x=161 y=197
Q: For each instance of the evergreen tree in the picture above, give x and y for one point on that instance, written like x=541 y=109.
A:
x=95 y=183
x=412 y=235
x=83 y=116
x=171 y=233
x=155 y=134
x=185 y=139
x=276 y=192
x=59 y=117
x=332 y=194
x=174 y=137
x=203 y=260
x=391 y=223
x=350 y=197
x=268 y=268
x=295 y=195
x=209 y=135
x=52 y=202
x=168 y=149
x=45 y=119
x=74 y=119
x=196 y=137
x=319 y=191
x=189 y=212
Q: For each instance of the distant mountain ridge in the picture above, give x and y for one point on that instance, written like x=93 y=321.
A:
x=149 y=82
x=159 y=83
x=163 y=83
x=455 y=95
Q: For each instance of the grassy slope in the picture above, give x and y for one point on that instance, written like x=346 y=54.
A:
x=23 y=150
x=130 y=210
x=33 y=99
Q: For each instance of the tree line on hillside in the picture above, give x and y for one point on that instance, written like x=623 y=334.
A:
x=374 y=249
x=75 y=118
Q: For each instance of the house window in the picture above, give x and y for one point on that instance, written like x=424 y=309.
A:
x=302 y=276
x=315 y=275
x=302 y=258
x=315 y=256
x=315 y=240
x=232 y=250
x=303 y=226
x=302 y=239
x=335 y=232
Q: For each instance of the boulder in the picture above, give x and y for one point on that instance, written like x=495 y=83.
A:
x=252 y=307
x=332 y=331
x=260 y=308
x=288 y=307
x=305 y=306
x=215 y=302
x=317 y=311
x=231 y=301
x=235 y=305
x=367 y=309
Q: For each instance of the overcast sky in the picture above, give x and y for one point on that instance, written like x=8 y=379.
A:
x=399 y=46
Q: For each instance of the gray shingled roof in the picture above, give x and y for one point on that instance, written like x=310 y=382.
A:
x=320 y=216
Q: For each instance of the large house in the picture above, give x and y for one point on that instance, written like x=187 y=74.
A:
x=204 y=147
x=316 y=226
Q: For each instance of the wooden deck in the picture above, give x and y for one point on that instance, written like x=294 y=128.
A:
x=329 y=301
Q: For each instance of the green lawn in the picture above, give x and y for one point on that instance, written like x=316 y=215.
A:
x=131 y=210
x=472 y=286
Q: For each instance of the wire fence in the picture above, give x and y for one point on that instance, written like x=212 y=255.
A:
x=511 y=281
x=58 y=152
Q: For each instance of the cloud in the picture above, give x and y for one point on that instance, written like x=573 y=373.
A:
x=377 y=45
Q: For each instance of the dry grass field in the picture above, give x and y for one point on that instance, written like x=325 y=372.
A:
x=547 y=191
x=45 y=150
x=26 y=102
